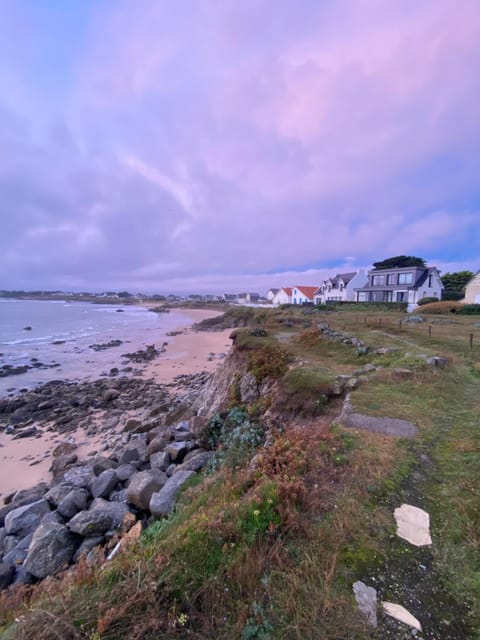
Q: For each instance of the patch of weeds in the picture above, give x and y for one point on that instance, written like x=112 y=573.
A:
x=260 y=516
x=268 y=361
x=236 y=438
x=305 y=392
x=257 y=627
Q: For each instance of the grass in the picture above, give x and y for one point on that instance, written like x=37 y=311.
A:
x=269 y=546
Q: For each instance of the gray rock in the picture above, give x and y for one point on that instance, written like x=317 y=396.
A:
x=61 y=463
x=101 y=464
x=73 y=502
x=437 y=361
x=171 y=470
x=25 y=520
x=3 y=535
x=87 y=545
x=248 y=388
x=125 y=472
x=26 y=496
x=177 y=450
x=110 y=394
x=116 y=510
x=387 y=426
x=58 y=492
x=142 y=485
x=414 y=319
x=18 y=554
x=51 y=548
x=104 y=484
x=366 y=598
x=196 y=462
x=158 y=444
x=22 y=576
x=9 y=543
x=53 y=516
x=162 y=502
x=7 y=571
x=79 y=476
x=119 y=496
x=160 y=460
x=91 y=523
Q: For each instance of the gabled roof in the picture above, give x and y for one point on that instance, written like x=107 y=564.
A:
x=288 y=290
x=308 y=292
x=346 y=277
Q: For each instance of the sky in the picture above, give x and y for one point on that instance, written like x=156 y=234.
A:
x=216 y=146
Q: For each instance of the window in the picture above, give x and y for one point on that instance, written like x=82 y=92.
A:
x=405 y=278
x=430 y=278
x=362 y=296
x=378 y=280
x=392 y=278
x=401 y=296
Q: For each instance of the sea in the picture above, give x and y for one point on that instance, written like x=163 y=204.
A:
x=61 y=333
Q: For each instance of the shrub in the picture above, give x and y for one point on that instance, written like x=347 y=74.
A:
x=268 y=361
x=441 y=307
x=427 y=300
x=469 y=309
x=235 y=436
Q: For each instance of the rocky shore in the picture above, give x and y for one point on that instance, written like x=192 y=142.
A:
x=144 y=442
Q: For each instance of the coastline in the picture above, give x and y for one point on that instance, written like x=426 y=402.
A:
x=25 y=462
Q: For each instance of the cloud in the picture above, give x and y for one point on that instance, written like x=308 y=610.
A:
x=189 y=146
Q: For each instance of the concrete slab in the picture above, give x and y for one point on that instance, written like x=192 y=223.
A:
x=413 y=525
x=401 y=614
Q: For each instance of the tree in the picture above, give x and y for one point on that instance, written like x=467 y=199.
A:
x=400 y=262
x=456 y=281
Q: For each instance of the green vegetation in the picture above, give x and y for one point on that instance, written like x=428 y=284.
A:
x=399 y=262
x=296 y=508
x=455 y=283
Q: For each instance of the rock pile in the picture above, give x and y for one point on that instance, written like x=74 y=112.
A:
x=92 y=504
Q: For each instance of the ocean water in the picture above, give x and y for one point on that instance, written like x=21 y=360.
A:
x=74 y=326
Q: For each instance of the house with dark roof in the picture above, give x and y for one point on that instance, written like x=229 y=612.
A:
x=340 y=288
x=271 y=294
x=401 y=284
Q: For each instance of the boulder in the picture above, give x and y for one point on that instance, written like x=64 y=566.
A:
x=18 y=554
x=7 y=571
x=51 y=548
x=58 y=492
x=104 y=484
x=177 y=450
x=110 y=394
x=160 y=460
x=76 y=500
x=125 y=472
x=61 y=463
x=22 y=576
x=195 y=462
x=25 y=520
x=87 y=545
x=161 y=502
x=158 y=444
x=91 y=523
x=26 y=496
x=142 y=485
x=116 y=510
x=79 y=476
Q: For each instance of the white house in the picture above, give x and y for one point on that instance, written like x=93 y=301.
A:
x=472 y=290
x=340 y=288
x=302 y=294
x=271 y=294
x=283 y=296
x=401 y=284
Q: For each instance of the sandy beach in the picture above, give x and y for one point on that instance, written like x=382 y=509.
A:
x=26 y=462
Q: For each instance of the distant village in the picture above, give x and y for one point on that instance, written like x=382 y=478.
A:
x=402 y=279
